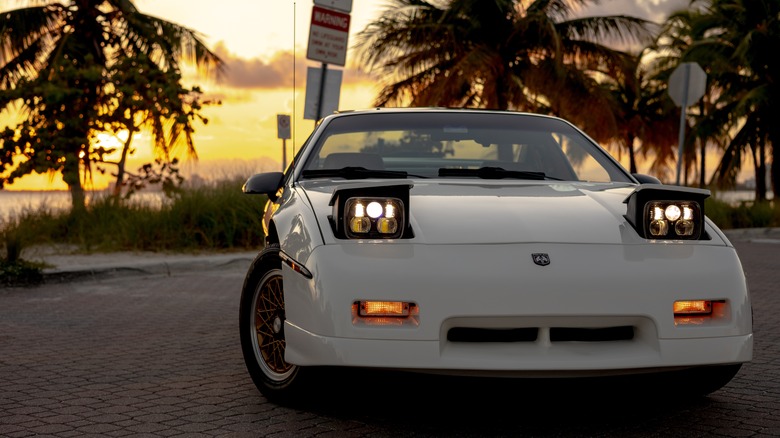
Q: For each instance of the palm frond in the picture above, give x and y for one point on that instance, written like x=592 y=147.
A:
x=617 y=28
x=26 y=37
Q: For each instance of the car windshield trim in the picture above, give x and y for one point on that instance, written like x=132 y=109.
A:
x=489 y=172
x=353 y=172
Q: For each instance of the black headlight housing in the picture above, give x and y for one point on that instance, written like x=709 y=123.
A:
x=371 y=212
x=667 y=212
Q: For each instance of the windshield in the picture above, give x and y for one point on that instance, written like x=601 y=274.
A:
x=458 y=144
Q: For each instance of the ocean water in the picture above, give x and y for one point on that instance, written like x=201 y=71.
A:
x=12 y=203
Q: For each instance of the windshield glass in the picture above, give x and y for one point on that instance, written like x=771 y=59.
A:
x=423 y=143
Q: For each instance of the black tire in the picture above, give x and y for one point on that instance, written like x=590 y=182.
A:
x=261 y=325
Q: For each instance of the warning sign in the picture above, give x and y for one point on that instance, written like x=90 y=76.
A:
x=328 y=36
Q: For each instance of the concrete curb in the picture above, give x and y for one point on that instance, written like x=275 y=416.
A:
x=101 y=265
x=67 y=267
x=756 y=235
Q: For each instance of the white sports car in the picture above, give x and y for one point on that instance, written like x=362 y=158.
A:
x=488 y=243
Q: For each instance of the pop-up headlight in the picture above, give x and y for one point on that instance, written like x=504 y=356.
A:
x=373 y=217
x=672 y=219
x=371 y=212
x=667 y=212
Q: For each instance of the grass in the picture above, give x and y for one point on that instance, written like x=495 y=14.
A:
x=744 y=215
x=209 y=218
x=214 y=217
x=20 y=273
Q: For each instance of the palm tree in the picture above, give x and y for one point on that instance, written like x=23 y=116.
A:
x=644 y=114
x=673 y=46
x=736 y=40
x=143 y=96
x=500 y=54
x=73 y=44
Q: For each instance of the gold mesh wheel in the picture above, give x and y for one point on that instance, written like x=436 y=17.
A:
x=268 y=335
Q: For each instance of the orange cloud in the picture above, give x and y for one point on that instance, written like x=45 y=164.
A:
x=276 y=72
x=257 y=73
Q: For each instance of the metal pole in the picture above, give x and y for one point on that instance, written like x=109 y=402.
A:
x=322 y=92
x=683 y=111
x=284 y=154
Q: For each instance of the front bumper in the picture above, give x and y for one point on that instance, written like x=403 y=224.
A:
x=498 y=287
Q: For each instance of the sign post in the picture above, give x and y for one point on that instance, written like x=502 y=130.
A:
x=328 y=37
x=686 y=86
x=283 y=132
x=321 y=98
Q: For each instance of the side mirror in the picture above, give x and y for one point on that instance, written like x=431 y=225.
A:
x=264 y=184
x=646 y=179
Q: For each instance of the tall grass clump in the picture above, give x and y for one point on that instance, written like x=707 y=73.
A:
x=18 y=232
x=211 y=217
x=216 y=216
x=743 y=215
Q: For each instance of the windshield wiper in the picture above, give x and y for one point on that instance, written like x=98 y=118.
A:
x=494 y=173
x=351 y=172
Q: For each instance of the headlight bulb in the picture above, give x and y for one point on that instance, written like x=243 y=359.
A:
x=687 y=213
x=658 y=213
x=387 y=225
x=360 y=211
x=360 y=225
x=374 y=210
x=683 y=228
x=659 y=227
x=672 y=212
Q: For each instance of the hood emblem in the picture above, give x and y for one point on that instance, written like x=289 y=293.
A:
x=541 y=259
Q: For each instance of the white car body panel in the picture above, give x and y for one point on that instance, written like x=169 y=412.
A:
x=601 y=275
x=320 y=332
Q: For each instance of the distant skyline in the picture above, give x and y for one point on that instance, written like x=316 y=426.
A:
x=262 y=42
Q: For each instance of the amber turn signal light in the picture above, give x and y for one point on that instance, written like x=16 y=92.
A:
x=385 y=313
x=692 y=307
x=384 y=308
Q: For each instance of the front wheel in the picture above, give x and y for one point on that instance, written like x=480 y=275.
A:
x=261 y=323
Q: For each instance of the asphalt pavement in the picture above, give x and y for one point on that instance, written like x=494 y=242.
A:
x=147 y=345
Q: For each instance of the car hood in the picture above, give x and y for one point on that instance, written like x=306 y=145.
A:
x=502 y=211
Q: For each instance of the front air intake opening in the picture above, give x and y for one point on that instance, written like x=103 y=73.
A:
x=605 y=334
x=470 y=334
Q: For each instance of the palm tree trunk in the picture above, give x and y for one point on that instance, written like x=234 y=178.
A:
x=775 y=172
x=72 y=177
x=703 y=164
x=631 y=154
x=761 y=174
x=774 y=140
x=760 y=163
x=120 y=171
x=703 y=149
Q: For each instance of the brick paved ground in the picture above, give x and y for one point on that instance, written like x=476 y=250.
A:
x=159 y=356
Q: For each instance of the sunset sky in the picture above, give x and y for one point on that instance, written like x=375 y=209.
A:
x=258 y=40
